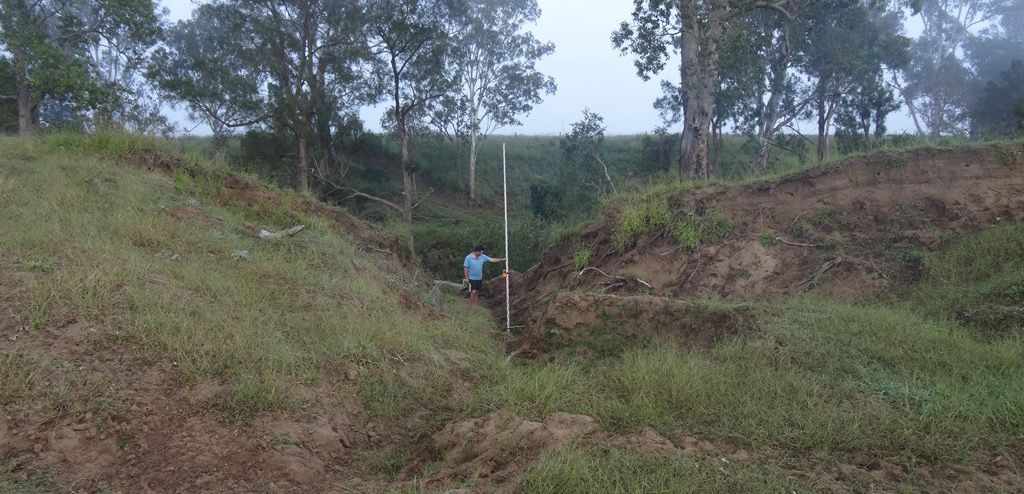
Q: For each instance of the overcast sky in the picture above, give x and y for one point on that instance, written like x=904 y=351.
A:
x=589 y=72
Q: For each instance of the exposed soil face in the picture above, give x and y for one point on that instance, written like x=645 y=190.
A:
x=853 y=229
x=614 y=320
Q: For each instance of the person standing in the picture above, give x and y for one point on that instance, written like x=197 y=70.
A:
x=473 y=271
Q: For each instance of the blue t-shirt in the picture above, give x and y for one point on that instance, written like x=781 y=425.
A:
x=476 y=266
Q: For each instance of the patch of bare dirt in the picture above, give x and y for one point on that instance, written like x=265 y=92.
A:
x=852 y=229
x=130 y=424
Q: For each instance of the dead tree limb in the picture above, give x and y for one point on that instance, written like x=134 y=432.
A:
x=264 y=234
x=797 y=244
x=356 y=193
x=414 y=206
x=606 y=275
x=813 y=279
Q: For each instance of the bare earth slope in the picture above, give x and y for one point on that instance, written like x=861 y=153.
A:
x=853 y=229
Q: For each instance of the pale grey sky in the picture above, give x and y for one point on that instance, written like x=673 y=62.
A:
x=589 y=72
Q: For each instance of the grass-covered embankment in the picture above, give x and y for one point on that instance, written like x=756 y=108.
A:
x=88 y=239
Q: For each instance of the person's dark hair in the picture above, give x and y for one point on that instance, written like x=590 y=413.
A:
x=478 y=248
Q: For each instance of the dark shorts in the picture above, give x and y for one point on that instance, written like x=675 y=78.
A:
x=474 y=285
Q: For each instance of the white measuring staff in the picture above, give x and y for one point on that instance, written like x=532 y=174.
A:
x=504 y=184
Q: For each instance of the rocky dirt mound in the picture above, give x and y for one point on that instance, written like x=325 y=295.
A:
x=856 y=228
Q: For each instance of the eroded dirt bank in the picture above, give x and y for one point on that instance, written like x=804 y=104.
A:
x=852 y=229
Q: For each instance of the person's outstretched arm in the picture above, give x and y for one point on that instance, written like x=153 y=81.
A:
x=496 y=260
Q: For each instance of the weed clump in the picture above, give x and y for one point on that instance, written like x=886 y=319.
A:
x=581 y=259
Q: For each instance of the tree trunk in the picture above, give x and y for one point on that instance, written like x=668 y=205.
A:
x=715 y=158
x=767 y=128
x=473 y=151
x=699 y=70
x=407 y=189
x=302 y=165
x=607 y=176
x=323 y=130
x=457 y=151
x=219 y=143
x=25 y=119
x=822 y=131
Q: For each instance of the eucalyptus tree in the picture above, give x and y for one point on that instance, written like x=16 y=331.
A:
x=846 y=45
x=449 y=115
x=862 y=113
x=410 y=43
x=760 y=87
x=494 y=62
x=694 y=29
x=582 y=147
x=308 y=51
x=204 y=64
x=45 y=45
x=120 y=54
x=996 y=56
x=935 y=86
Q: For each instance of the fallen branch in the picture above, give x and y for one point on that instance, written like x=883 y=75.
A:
x=606 y=275
x=671 y=251
x=694 y=270
x=797 y=244
x=356 y=193
x=546 y=273
x=795 y=220
x=449 y=284
x=813 y=279
x=267 y=235
x=431 y=191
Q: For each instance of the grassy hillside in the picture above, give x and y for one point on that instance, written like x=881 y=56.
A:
x=901 y=397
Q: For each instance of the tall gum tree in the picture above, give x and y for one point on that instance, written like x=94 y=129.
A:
x=45 y=45
x=694 y=29
x=410 y=43
x=201 y=64
x=846 y=45
x=309 y=50
x=494 y=59
x=935 y=86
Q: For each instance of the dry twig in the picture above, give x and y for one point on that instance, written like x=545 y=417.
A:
x=797 y=244
x=813 y=279
x=606 y=275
